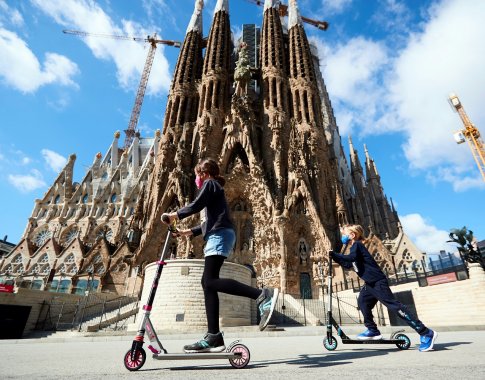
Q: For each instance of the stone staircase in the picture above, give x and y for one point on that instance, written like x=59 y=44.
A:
x=111 y=318
x=294 y=311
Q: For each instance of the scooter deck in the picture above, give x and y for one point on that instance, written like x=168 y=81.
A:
x=379 y=341
x=201 y=355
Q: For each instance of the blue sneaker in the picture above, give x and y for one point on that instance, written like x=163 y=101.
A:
x=370 y=335
x=427 y=341
x=266 y=303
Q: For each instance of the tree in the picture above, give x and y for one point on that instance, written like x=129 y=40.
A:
x=467 y=248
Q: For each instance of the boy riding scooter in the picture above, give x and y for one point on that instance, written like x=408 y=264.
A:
x=376 y=289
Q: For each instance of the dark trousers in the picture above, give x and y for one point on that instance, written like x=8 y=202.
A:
x=211 y=283
x=380 y=291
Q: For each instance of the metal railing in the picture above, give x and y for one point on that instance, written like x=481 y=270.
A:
x=90 y=310
x=297 y=310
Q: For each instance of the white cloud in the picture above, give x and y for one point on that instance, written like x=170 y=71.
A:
x=335 y=6
x=21 y=69
x=425 y=235
x=27 y=183
x=393 y=16
x=55 y=161
x=353 y=73
x=377 y=91
x=128 y=56
x=10 y=15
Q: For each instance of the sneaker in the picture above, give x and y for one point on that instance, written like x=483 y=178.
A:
x=266 y=303
x=210 y=343
x=427 y=340
x=370 y=335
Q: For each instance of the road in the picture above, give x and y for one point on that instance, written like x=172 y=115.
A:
x=457 y=355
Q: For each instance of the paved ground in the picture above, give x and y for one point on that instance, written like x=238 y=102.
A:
x=457 y=355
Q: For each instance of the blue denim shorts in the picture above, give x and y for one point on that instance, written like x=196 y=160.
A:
x=220 y=242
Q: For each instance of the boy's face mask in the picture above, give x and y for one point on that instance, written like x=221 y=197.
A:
x=198 y=181
x=345 y=239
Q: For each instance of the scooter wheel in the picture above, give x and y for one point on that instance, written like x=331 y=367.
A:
x=330 y=344
x=404 y=343
x=240 y=361
x=135 y=365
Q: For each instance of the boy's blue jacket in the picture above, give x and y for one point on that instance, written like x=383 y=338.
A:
x=362 y=261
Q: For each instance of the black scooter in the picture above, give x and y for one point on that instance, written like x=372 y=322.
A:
x=237 y=353
x=402 y=341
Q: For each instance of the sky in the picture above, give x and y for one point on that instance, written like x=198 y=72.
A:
x=389 y=66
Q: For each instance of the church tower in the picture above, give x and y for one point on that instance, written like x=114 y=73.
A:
x=315 y=157
x=275 y=88
x=215 y=86
x=175 y=162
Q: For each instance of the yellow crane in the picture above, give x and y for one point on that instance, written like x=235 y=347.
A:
x=135 y=113
x=470 y=133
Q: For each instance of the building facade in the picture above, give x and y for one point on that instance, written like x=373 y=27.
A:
x=273 y=131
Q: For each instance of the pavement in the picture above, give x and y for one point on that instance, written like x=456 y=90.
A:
x=295 y=353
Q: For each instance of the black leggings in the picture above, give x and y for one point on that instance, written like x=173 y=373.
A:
x=211 y=283
x=380 y=291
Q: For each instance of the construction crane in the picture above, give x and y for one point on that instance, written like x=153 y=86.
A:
x=322 y=25
x=470 y=134
x=135 y=113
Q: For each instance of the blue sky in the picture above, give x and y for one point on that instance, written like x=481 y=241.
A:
x=389 y=66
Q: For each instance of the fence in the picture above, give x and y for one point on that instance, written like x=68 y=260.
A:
x=298 y=310
x=427 y=268
x=90 y=310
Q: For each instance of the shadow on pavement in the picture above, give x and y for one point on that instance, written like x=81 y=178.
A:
x=326 y=359
x=444 y=346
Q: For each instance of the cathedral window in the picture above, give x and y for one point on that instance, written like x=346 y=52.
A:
x=57 y=199
x=298 y=109
x=266 y=92
x=69 y=236
x=17 y=260
x=274 y=94
x=305 y=106
x=42 y=236
x=85 y=198
x=173 y=117
x=217 y=94
x=113 y=198
x=290 y=102
x=209 y=95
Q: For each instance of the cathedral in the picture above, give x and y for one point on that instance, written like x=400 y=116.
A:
x=262 y=110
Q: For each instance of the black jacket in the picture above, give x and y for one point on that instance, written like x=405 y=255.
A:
x=362 y=261
x=212 y=200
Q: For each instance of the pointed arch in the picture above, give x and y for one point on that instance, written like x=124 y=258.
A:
x=229 y=161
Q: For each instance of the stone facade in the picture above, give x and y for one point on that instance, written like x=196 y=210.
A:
x=287 y=190
x=289 y=185
x=78 y=229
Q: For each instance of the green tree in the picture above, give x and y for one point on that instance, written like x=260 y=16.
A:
x=467 y=245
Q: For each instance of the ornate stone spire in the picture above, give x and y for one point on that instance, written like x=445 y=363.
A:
x=195 y=24
x=294 y=17
x=222 y=5
x=270 y=4
x=355 y=164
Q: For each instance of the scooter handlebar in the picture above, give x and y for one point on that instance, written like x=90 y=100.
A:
x=165 y=218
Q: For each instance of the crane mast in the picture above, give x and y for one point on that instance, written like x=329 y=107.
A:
x=470 y=134
x=135 y=113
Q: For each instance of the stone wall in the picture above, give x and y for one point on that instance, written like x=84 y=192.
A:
x=179 y=301
x=35 y=299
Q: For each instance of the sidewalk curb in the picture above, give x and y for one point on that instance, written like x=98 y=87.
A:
x=229 y=332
